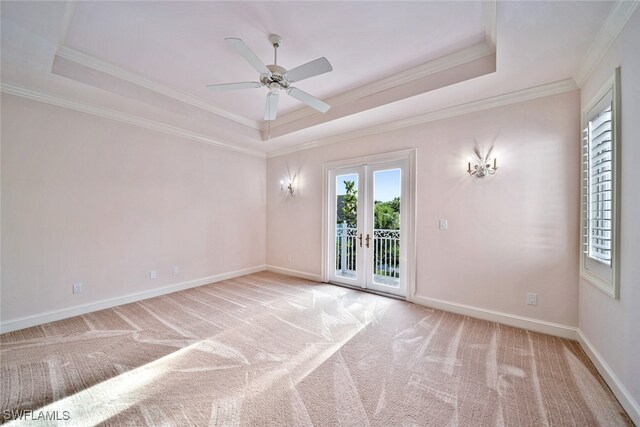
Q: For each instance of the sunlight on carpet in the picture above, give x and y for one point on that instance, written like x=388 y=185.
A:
x=274 y=350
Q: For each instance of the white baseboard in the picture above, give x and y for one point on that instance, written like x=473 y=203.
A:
x=529 y=323
x=615 y=384
x=295 y=273
x=51 y=316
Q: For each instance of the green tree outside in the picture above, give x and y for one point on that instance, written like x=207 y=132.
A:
x=350 y=204
x=387 y=215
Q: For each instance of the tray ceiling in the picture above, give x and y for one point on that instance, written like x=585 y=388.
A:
x=391 y=60
x=181 y=44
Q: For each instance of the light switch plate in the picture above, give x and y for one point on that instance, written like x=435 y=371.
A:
x=443 y=224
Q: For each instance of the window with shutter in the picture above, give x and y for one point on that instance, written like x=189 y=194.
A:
x=599 y=210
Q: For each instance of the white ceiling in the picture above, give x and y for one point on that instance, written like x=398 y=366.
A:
x=180 y=46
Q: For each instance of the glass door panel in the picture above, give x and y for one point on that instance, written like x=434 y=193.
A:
x=386 y=187
x=346 y=224
x=386 y=227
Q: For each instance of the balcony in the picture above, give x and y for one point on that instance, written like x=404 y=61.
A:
x=386 y=254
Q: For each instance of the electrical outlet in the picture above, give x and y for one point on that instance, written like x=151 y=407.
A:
x=443 y=224
x=175 y=270
x=77 y=288
x=532 y=299
x=153 y=275
x=290 y=258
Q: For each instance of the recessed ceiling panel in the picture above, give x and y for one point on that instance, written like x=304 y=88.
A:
x=181 y=44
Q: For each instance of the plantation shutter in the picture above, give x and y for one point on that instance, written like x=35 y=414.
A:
x=598 y=180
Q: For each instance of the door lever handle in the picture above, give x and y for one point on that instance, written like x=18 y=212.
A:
x=367 y=240
x=360 y=238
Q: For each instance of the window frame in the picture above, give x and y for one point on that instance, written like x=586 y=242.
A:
x=604 y=277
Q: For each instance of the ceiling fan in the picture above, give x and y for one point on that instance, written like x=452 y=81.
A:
x=276 y=78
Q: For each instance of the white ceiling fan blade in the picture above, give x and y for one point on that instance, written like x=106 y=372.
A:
x=271 y=107
x=310 y=69
x=310 y=100
x=234 y=86
x=244 y=51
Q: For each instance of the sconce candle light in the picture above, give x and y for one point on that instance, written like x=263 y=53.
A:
x=482 y=166
x=288 y=188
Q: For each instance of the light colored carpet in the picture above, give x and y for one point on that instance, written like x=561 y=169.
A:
x=266 y=349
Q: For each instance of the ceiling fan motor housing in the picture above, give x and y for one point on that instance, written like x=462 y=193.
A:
x=276 y=77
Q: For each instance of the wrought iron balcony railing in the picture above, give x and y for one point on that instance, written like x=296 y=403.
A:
x=386 y=251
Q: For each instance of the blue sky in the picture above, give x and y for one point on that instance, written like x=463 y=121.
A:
x=387 y=184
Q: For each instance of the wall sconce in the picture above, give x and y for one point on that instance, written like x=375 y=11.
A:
x=288 y=188
x=482 y=166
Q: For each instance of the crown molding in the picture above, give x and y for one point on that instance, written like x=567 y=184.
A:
x=115 y=71
x=443 y=63
x=130 y=119
x=548 y=89
x=613 y=25
x=69 y=11
x=490 y=12
x=487 y=103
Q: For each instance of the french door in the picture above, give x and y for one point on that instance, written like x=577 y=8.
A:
x=368 y=226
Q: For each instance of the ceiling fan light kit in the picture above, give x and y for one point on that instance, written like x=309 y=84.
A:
x=277 y=78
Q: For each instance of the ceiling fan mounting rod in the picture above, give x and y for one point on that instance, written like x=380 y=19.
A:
x=276 y=41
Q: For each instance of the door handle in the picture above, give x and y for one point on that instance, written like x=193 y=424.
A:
x=360 y=238
x=367 y=240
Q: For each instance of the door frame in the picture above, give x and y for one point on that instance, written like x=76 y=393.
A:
x=409 y=208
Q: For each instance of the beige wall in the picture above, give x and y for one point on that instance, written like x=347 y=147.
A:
x=90 y=200
x=613 y=326
x=513 y=234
